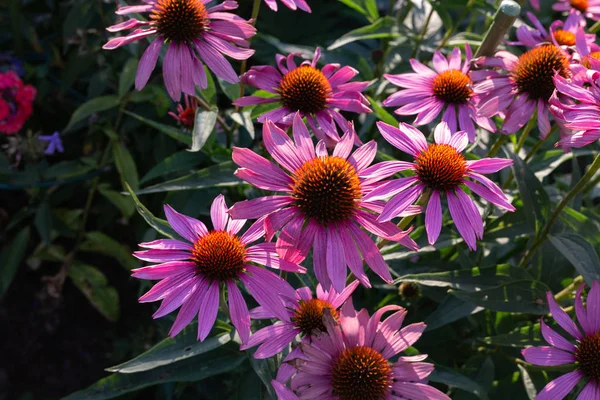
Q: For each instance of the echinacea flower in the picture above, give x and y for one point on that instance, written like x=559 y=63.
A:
x=578 y=105
x=291 y=4
x=447 y=90
x=54 y=143
x=560 y=33
x=318 y=94
x=305 y=317
x=588 y=55
x=585 y=352
x=354 y=360
x=525 y=85
x=16 y=102
x=442 y=170
x=587 y=8
x=320 y=205
x=186 y=112
x=193 y=272
x=194 y=33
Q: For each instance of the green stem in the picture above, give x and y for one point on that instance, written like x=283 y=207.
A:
x=497 y=146
x=540 y=143
x=554 y=217
x=254 y=17
x=526 y=131
x=568 y=291
x=223 y=301
x=505 y=17
x=423 y=33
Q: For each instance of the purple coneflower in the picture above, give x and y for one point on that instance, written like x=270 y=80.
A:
x=441 y=169
x=321 y=206
x=585 y=351
x=446 y=90
x=587 y=8
x=353 y=360
x=193 y=272
x=193 y=34
x=316 y=93
x=305 y=317
x=562 y=34
x=291 y=4
x=525 y=85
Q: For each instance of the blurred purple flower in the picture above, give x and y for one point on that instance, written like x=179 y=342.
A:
x=54 y=143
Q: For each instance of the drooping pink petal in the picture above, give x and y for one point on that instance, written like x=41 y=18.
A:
x=240 y=317
x=208 y=311
x=433 y=217
x=560 y=387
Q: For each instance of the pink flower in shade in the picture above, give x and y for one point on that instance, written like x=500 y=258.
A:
x=192 y=272
x=587 y=8
x=577 y=107
x=562 y=34
x=305 y=317
x=186 y=112
x=353 y=361
x=535 y=4
x=520 y=85
x=291 y=4
x=16 y=102
x=321 y=204
x=440 y=169
x=585 y=352
x=446 y=90
x=317 y=94
x=193 y=34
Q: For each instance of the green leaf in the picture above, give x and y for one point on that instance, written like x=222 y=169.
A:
x=182 y=161
x=371 y=7
x=125 y=165
x=43 y=221
x=381 y=113
x=380 y=29
x=204 y=124
x=451 y=309
x=90 y=107
x=171 y=350
x=470 y=280
x=528 y=383
x=219 y=175
x=524 y=336
x=94 y=285
x=580 y=253
x=231 y=90
x=123 y=203
x=98 y=242
x=210 y=93
x=166 y=129
x=519 y=297
x=11 y=258
x=190 y=370
x=244 y=119
x=536 y=203
x=159 y=225
x=355 y=5
x=452 y=378
x=127 y=76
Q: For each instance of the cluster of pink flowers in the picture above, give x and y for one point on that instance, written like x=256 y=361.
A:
x=330 y=198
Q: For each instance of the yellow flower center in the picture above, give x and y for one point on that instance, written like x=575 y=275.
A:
x=534 y=72
x=180 y=20
x=440 y=167
x=309 y=316
x=219 y=256
x=305 y=89
x=452 y=86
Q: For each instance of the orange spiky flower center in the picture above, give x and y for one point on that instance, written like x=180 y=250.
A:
x=564 y=38
x=327 y=189
x=581 y=5
x=361 y=373
x=586 y=59
x=440 y=167
x=305 y=89
x=534 y=71
x=588 y=356
x=180 y=20
x=219 y=256
x=452 y=86
x=309 y=315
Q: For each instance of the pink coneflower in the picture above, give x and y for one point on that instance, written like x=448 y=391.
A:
x=193 y=272
x=321 y=205
x=291 y=4
x=446 y=90
x=525 y=84
x=305 y=317
x=441 y=169
x=193 y=34
x=317 y=94
x=353 y=360
x=578 y=108
x=16 y=102
x=562 y=34
x=585 y=352
x=587 y=8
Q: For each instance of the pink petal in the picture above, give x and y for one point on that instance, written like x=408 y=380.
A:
x=218 y=213
x=560 y=387
x=208 y=311
x=240 y=317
